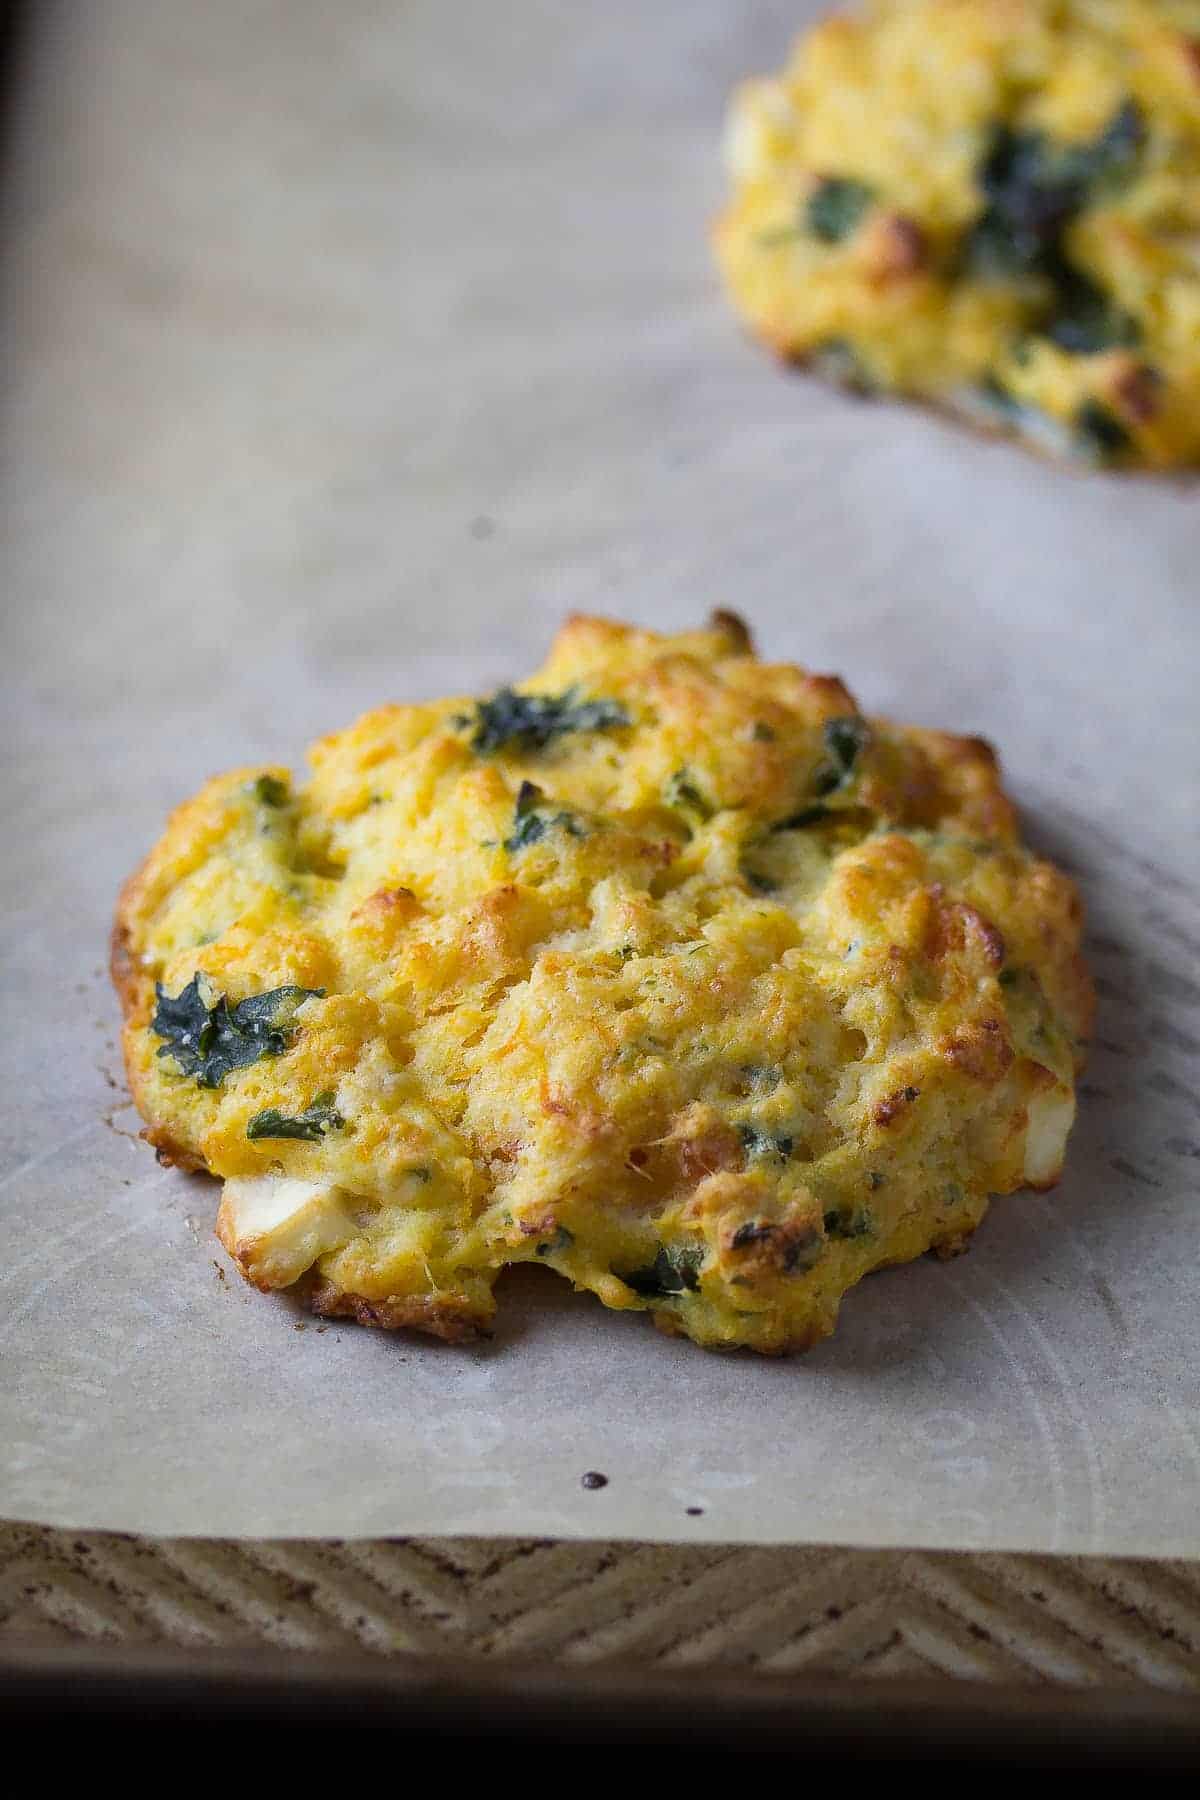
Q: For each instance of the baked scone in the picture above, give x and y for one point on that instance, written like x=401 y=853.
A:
x=668 y=970
x=991 y=205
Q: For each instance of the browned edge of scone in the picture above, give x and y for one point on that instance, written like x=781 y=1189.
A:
x=807 y=363
x=169 y=1151
x=439 y=1318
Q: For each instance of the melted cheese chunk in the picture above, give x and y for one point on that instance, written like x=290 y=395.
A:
x=276 y=1226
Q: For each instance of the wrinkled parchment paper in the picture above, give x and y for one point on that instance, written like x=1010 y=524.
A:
x=347 y=349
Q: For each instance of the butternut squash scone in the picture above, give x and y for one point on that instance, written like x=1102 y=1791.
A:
x=991 y=205
x=668 y=969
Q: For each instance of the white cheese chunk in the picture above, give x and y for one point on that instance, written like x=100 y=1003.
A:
x=759 y=112
x=1051 y=1115
x=276 y=1226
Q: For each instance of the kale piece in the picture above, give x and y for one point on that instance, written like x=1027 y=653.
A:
x=270 y=791
x=1109 y=161
x=1000 y=401
x=1033 y=189
x=836 y=207
x=682 y=794
x=802 y=1252
x=851 y=1224
x=1028 y=205
x=758 y=1143
x=562 y=1240
x=845 y=740
x=675 y=1270
x=754 y=1231
x=800 y=821
x=763 y=1076
x=530 y=824
x=1084 y=318
x=310 y=1126
x=837 y=360
x=1038 y=426
x=207 y=1038
x=756 y=881
x=799 y=1248
x=1025 y=419
x=531 y=721
x=1099 y=437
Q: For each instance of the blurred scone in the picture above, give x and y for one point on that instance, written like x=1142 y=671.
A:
x=668 y=970
x=992 y=205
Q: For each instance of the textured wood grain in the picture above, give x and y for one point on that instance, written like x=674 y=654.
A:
x=995 y=1619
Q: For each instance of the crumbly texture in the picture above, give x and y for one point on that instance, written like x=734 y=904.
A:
x=991 y=205
x=669 y=971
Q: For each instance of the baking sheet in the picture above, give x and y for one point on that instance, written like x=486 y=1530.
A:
x=347 y=349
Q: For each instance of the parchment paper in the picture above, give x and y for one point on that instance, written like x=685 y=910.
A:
x=347 y=349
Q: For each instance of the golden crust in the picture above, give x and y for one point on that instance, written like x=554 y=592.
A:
x=120 y=955
x=449 y=1320
x=714 y=997
x=133 y=991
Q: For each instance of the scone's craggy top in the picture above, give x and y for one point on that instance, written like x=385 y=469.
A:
x=668 y=970
x=993 y=205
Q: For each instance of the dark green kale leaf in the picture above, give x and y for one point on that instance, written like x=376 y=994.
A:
x=1110 y=160
x=761 y=1076
x=855 y=1223
x=1031 y=422
x=1099 y=437
x=562 y=1240
x=675 y=1269
x=754 y=1231
x=1000 y=401
x=802 y=1252
x=530 y=824
x=1084 y=319
x=845 y=740
x=800 y=821
x=310 y=1125
x=758 y=1143
x=1033 y=188
x=755 y=880
x=531 y=721
x=836 y=360
x=799 y=1249
x=1028 y=204
x=836 y=206
x=270 y=791
x=682 y=794
x=207 y=1038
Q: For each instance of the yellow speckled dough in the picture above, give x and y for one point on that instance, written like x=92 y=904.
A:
x=993 y=205
x=682 y=979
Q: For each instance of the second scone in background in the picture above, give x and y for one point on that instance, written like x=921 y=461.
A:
x=991 y=205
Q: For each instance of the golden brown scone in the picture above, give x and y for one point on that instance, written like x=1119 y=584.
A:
x=991 y=205
x=668 y=970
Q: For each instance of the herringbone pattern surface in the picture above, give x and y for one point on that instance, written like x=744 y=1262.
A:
x=986 y=1618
